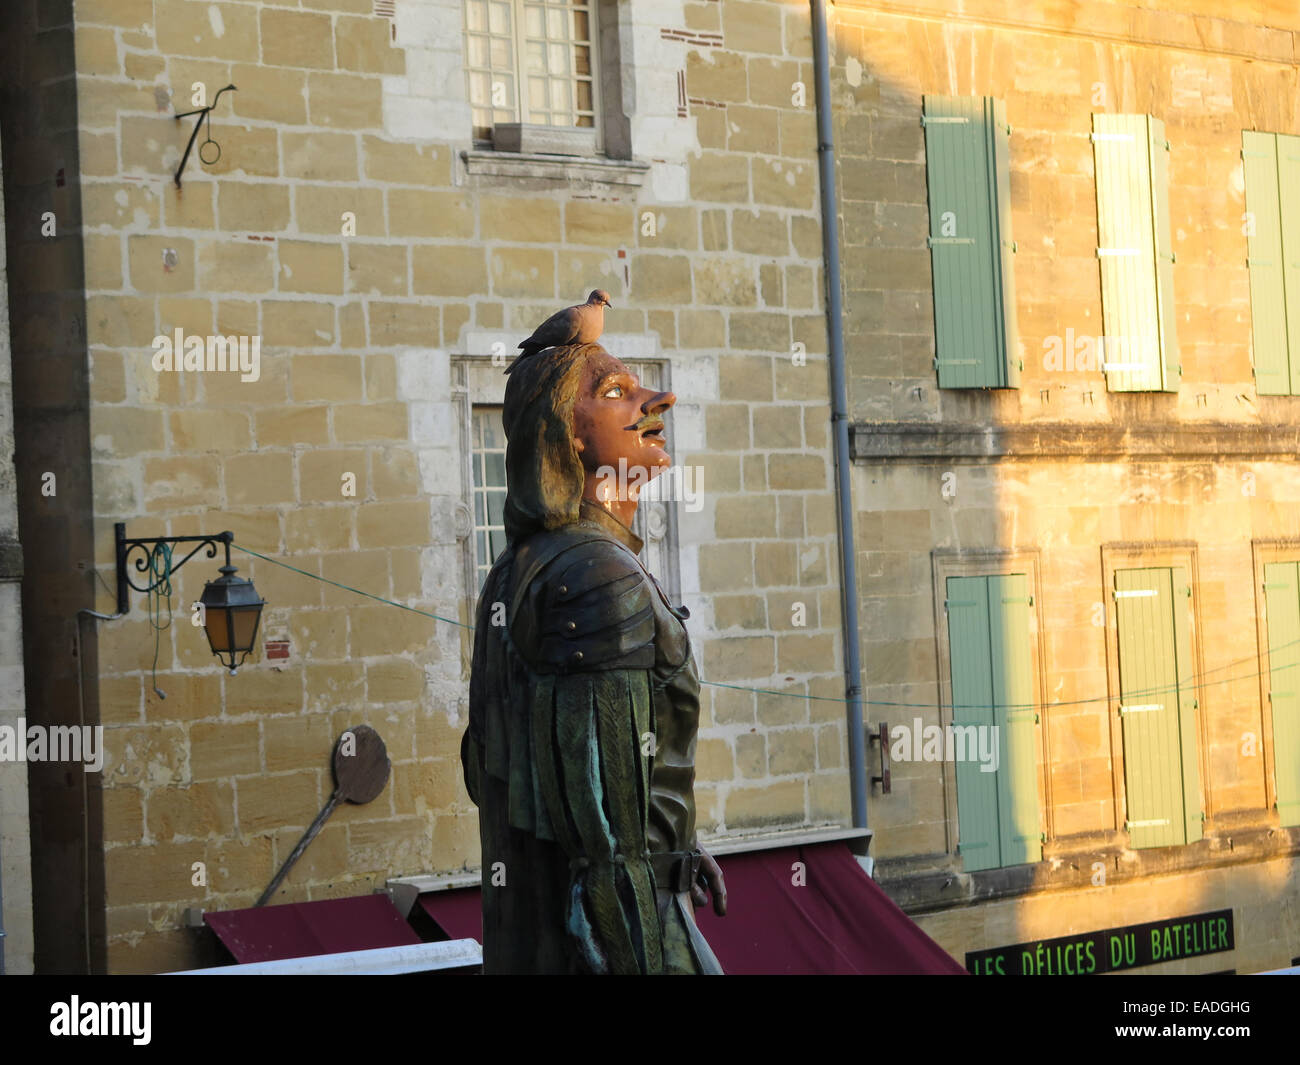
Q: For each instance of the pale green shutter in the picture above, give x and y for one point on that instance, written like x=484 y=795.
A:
x=1288 y=181
x=1282 y=601
x=1157 y=712
x=999 y=137
x=968 y=176
x=1135 y=252
x=1188 y=702
x=1264 y=244
x=1158 y=153
x=1019 y=821
x=998 y=812
x=972 y=695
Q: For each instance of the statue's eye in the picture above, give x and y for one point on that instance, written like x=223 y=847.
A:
x=614 y=392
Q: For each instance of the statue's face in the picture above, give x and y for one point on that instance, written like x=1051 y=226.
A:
x=615 y=418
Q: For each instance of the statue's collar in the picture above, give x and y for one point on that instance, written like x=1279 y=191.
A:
x=589 y=511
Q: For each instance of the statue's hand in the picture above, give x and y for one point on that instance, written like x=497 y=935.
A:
x=710 y=882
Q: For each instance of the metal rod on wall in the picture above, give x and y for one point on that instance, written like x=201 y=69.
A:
x=205 y=115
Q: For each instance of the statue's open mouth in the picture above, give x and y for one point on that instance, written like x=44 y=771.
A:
x=653 y=431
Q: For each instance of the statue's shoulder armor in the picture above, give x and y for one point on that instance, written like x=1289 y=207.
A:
x=582 y=602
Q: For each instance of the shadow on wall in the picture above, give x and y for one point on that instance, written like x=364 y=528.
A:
x=47 y=306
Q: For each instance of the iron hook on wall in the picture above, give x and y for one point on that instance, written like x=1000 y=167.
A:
x=205 y=115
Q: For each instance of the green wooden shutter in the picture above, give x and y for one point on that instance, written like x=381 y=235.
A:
x=972 y=697
x=1158 y=153
x=1267 y=285
x=968 y=175
x=1135 y=252
x=998 y=812
x=1019 y=821
x=1288 y=182
x=1282 y=602
x=999 y=136
x=1157 y=713
x=1188 y=702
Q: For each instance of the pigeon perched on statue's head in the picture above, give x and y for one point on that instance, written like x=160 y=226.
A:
x=582 y=324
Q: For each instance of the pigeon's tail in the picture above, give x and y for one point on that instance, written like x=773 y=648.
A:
x=526 y=348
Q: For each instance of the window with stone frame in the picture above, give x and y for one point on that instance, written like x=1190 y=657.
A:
x=488 y=488
x=532 y=62
x=1158 y=739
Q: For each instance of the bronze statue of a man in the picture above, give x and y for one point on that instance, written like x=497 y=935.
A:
x=584 y=697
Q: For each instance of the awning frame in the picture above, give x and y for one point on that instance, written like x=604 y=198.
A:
x=381 y=961
x=404 y=890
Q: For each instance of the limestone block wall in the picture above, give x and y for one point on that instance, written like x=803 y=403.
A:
x=1053 y=73
x=1209 y=75
x=1066 y=512
x=347 y=116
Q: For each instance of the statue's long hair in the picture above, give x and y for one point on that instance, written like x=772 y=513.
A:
x=544 y=473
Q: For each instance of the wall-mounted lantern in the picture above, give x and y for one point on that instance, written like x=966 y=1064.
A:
x=231 y=606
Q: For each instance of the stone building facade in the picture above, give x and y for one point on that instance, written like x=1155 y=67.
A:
x=382 y=255
x=1075 y=480
x=370 y=223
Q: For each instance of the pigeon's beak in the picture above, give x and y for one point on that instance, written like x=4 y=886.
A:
x=607 y=303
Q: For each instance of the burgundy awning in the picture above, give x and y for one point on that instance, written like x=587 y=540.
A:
x=304 y=929
x=459 y=913
x=837 y=921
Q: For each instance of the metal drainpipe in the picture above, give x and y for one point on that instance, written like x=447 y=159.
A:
x=839 y=417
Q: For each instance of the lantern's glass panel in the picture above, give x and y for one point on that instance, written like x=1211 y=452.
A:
x=232 y=628
x=218 y=628
x=244 y=623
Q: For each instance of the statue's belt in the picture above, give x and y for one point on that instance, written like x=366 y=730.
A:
x=674 y=871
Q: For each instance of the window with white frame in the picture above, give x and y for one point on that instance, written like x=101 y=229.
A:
x=488 y=463
x=531 y=61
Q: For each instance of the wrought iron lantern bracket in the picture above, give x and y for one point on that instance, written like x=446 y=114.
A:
x=145 y=546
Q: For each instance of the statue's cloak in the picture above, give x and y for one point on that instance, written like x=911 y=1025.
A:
x=580 y=752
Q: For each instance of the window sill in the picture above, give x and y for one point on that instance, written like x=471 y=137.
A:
x=873 y=442
x=569 y=169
